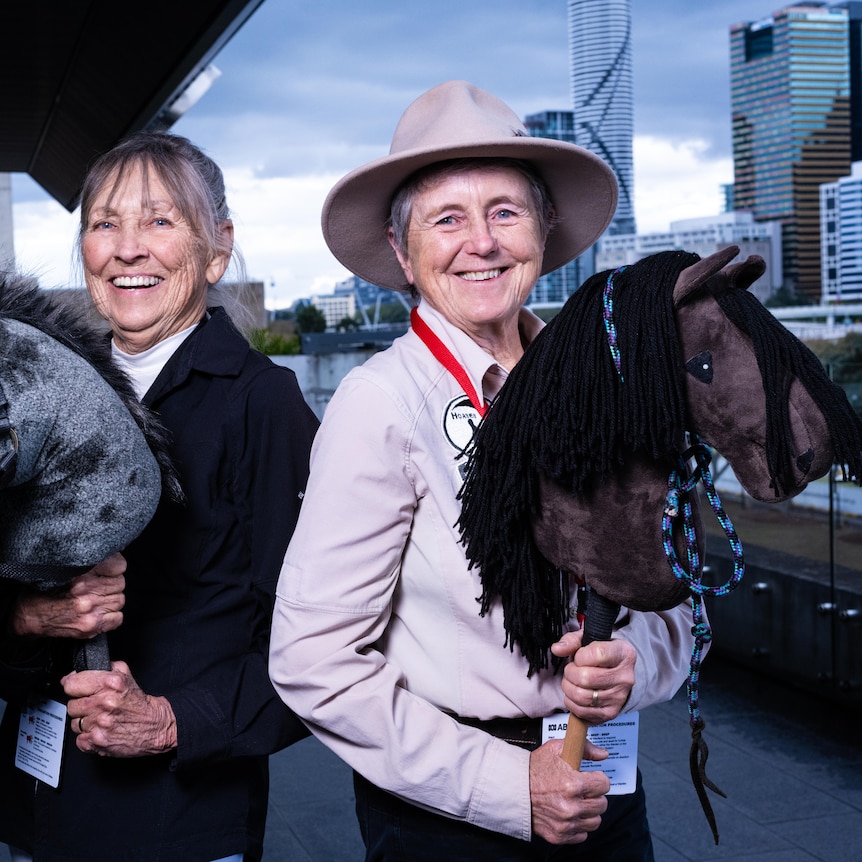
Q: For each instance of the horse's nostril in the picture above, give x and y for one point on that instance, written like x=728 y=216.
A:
x=803 y=462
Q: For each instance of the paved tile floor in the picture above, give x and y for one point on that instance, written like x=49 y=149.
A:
x=790 y=764
x=791 y=767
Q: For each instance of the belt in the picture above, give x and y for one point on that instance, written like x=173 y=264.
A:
x=523 y=732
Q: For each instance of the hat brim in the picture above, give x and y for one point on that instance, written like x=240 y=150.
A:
x=582 y=187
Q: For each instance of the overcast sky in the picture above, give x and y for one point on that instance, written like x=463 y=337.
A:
x=313 y=88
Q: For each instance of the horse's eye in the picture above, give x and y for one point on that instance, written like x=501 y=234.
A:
x=700 y=367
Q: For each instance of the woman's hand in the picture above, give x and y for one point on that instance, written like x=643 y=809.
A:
x=93 y=604
x=599 y=678
x=566 y=804
x=113 y=716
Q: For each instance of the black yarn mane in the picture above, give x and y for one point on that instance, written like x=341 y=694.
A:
x=781 y=357
x=565 y=413
x=24 y=302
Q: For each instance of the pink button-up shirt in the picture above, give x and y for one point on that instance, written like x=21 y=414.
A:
x=377 y=633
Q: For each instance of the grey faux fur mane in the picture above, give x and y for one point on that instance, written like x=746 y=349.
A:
x=90 y=461
x=24 y=302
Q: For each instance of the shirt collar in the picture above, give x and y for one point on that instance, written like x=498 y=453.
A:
x=485 y=373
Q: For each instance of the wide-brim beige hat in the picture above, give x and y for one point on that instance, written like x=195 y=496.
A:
x=458 y=120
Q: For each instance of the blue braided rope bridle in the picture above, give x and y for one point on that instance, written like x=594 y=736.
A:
x=678 y=503
x=608 y=318
x=681 y=484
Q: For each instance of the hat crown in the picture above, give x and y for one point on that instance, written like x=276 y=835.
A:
x=457 y=120
x=455 y=113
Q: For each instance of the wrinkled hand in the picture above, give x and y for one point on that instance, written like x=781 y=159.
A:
x=113 y=716
x=604 y=667
x=93 y=604
x=567 y=805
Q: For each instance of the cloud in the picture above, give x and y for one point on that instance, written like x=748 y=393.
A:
x=677 y=180
x=277 y=227
x=681 y=65
x=45 y=235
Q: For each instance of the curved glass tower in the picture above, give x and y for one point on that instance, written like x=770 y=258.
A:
x=600 y=48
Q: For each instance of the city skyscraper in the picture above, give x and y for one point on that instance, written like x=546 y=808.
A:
x=559 y=285
x=600 y=51
x=841 y=237
x=790 y=103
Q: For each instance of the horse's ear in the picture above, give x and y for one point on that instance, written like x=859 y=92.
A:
x=694 y=276
x=742 y=275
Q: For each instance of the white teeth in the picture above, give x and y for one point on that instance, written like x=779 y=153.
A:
x=136 y=281
x=481 y=276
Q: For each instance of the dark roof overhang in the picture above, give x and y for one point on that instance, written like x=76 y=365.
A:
x=76 y=76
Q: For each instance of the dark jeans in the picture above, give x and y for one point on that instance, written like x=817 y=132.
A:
x=396 y=831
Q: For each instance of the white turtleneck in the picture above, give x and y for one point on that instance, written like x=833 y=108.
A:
x=143 y=368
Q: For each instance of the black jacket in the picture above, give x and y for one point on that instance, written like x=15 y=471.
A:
x=200 y=588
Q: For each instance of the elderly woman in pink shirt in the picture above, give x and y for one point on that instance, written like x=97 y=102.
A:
x=378 y=642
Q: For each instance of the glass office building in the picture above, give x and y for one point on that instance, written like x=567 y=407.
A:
x=559 y=285
x=790 y=101
x=841 y=237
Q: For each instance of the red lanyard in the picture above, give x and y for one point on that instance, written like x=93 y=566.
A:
x=444 y=356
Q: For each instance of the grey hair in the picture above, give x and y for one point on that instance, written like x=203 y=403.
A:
x=405 y=196
x=192 y=179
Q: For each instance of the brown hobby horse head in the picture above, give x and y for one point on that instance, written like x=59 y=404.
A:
x=569 y=469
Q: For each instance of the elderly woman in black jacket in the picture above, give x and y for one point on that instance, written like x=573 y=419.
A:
x=166 y=753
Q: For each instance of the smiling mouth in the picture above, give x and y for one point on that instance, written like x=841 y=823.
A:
x=127 y=281
x=485 y=275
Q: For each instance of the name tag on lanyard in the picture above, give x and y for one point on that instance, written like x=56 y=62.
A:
x=41 y=731
x=619 y=737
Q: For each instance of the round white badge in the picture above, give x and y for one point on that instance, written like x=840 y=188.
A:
x=460 y=420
